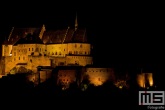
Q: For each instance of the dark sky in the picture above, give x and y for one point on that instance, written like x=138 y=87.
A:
x=122 y=33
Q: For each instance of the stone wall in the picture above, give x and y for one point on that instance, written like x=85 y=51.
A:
x=98 y=76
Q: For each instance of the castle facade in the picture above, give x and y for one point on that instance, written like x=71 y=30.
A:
x=33 y=47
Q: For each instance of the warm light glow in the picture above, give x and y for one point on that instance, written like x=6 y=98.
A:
x=141 y=80
x=144 y=78
x=120 y=87
x=98 y=76
x=121 y=83
x=1 y=76
x=32 y=78
x=97 y=81
x=150 y=79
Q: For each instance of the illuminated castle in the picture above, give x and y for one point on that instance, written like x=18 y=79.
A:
x=28 y=48
x=32 y=47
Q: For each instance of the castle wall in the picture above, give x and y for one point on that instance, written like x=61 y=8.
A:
x=98 y=76
x=27 y=49
x=34 y=61
x=41 y=48
x=79 y=48
x=57 y=50
x=9 y=64
x=144 y=78
x=80 y=60
x=58 y=61
x=65 y=77
x=44 y=75
x=20 y=54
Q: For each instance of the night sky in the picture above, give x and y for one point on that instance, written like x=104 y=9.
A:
x=122 y=34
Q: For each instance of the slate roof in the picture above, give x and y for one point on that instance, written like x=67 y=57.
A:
x=31 y=35
x=29 y=39
x=18 y=33
x=65 y=36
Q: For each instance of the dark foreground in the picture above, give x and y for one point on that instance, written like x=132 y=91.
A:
x=20 y=94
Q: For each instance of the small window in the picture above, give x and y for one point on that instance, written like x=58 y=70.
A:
x=70 y=52
x=29 y=49
x=81 y=46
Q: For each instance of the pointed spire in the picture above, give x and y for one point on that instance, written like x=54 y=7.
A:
x=76 y=22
